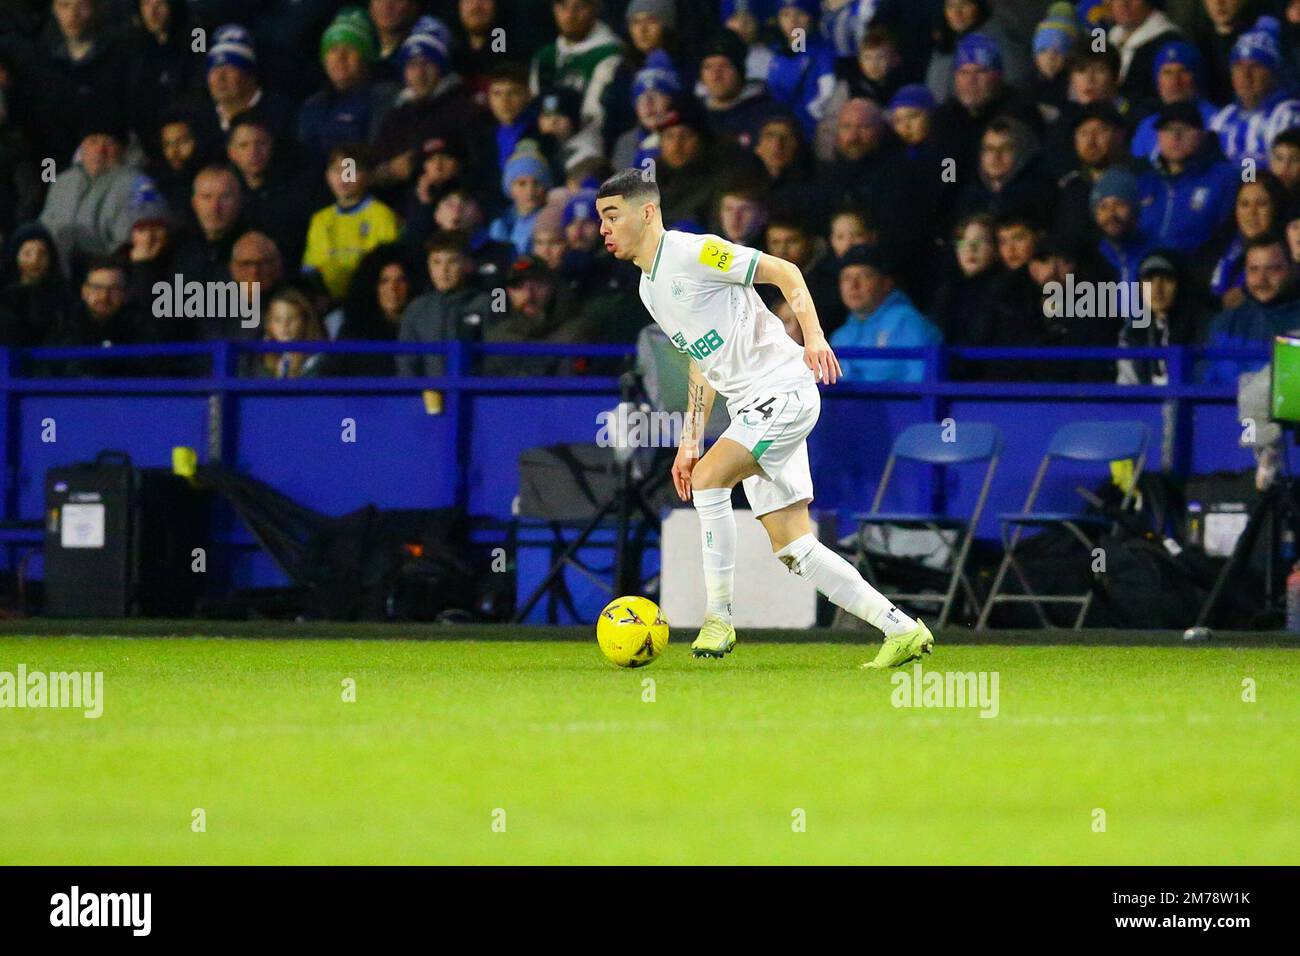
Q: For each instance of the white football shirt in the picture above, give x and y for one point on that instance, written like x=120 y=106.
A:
x=700 y=291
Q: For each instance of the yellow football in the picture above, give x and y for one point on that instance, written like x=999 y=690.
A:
x=631 y=631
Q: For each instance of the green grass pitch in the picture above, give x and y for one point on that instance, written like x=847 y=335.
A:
x=445 y=735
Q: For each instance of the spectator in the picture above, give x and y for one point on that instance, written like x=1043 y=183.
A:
x=1262 y=106
x=161 y=66
x=460 y=211
x=233 y=89
x=966 y=277
x=525 y=181
x=451 y=311
x=1227 y=21
x=879 y=64
x=1271 y=307
x=1114 y=206
x=1284 y=161
x=789 y=237
x=433 y=103
x=81 y=79
x=204 y=255
x=177 y=161
x=1187 y=192
x=1178 y=79
x=91 y=206
x=1260 y=210
x=801 y=77
x=383 y=287
x=442 y=170
x=275 y=198
x=736 y=105
x=351 y=108
x=1010 y=173
x=393 y=21
x=850 y=227
x=563 y=139
x=651 y=26
x=961 y=19
x=1139 y=32
x=472 y=49
x=880 y=316
x=1055 y=38
x=35 y=297
x=740 y=212
x=530 y=319
x=1098 y=146
x=290 y=317
x=979 y=94
x=653 y=91
x=103 y=316
x=867 y=169
x=746 y=19
x=1172 y=317
x=339 y=235
x=583 y=57
x=689 y=165
x=909 y=116
x=514 y=118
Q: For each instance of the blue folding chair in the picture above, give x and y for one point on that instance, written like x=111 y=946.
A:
x=1079 y=441
x=944 y=446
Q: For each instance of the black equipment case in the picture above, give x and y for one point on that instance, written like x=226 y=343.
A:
x=120 y=540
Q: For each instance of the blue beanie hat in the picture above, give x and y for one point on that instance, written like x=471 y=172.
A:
x=1054 y=35
x=1116 y=182
x=526 y=164
x=581 y=205
x=1180 y=52
x=980 y=49
x=914 y=95
x=657 y=74
x=424 y=45
x=232 y=45
x=432 y=26
x=1260 y=44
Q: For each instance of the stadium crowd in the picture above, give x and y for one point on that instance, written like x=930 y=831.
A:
x=426 y=171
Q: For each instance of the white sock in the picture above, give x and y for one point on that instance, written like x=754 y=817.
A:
x=718 y=537
x=843 y=585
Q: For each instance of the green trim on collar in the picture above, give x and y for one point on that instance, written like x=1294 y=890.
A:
x=654 y=266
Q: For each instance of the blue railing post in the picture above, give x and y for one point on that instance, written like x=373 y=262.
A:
x=934 y=369
x=1180 y=420
x=12 y=441
x=458 y=410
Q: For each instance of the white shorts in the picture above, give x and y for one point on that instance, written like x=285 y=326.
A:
x=774 y=429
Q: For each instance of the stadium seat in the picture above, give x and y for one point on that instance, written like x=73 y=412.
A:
x=1092 y=441
x=941 y=446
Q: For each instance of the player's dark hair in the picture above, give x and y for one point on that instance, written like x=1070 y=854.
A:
x=634 y=185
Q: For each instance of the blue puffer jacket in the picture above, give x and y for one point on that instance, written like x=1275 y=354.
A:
x=803 y=82
x=1251 y=323
x=1187 y=210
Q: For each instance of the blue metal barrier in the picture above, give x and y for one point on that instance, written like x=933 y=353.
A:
x=467 y=454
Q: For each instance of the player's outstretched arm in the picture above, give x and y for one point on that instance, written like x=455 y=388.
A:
x=699 y=403
x=785 y=275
